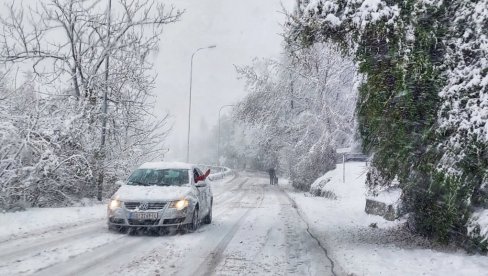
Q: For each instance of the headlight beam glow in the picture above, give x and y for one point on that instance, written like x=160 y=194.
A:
x=114 y=204
x=180 y=204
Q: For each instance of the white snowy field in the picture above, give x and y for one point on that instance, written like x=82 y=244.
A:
x=358 y=249
x=255 y=231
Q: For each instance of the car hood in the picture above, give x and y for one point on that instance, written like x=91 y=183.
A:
x=151 y=193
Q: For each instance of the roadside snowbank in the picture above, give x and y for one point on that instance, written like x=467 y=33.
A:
x=219 y=173
x=361 y=244
x=45 y=219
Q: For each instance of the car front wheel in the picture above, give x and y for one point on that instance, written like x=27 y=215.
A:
x=208 y=217
x=193 y=225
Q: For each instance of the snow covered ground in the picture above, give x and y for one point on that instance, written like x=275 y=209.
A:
x=256 y=231
x=358 y=249
x=39 y=220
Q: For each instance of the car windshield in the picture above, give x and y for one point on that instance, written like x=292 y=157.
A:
x=159 y=177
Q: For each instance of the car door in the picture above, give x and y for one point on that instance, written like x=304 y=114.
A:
x=208 y=192
x=201 y=192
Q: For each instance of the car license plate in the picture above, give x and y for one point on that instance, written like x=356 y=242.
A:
x=142 y=216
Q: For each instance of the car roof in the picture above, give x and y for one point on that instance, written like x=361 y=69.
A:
x=166 y=165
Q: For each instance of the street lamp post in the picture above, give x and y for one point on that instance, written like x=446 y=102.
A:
x=218 y=142
x=189 y=104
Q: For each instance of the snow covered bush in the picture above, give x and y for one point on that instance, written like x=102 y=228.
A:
x=423 y=107
x=319 y=188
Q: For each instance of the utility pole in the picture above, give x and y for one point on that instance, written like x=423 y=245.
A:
x=189 y=102
x=104 y=106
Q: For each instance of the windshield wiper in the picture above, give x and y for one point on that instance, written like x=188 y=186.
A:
x=139 y=183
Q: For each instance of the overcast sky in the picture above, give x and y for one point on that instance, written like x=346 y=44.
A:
x=241 y=29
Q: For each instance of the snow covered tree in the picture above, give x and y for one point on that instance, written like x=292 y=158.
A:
x=423 y=105
x=303 y=106
x=72 y=137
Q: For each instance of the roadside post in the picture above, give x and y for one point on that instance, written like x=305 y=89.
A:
x=349 y=155
x=343 y=151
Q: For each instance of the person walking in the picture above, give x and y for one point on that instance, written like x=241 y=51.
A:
x=272 y=176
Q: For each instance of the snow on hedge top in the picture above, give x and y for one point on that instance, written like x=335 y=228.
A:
x=479 y=219
x=359 y=12
x=390 y=196
x=166 y=165
x=354 y=187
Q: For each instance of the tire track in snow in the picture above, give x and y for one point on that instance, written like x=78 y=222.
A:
x=211 y=262
x=299 y=212
x=47 y=230
x=104 y=254
x=233 y=190
x=20 y=247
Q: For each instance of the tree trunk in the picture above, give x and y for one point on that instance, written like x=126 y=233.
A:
x=100 y=184
x=75 y=83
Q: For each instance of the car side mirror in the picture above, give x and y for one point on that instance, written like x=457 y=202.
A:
x=120 y=183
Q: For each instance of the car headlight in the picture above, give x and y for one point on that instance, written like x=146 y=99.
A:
x=114 y=204
x=180 y=204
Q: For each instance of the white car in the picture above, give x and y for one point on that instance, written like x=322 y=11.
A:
x=162 y=195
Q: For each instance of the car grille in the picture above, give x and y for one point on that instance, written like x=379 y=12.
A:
x=117 y=220
x=173 y=221
x=150 y=205
x=143 y=222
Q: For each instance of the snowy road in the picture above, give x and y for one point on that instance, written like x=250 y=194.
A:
x=256 y=231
